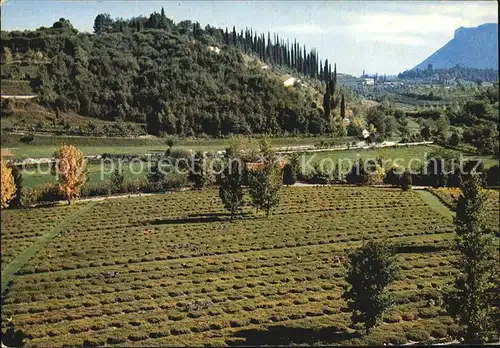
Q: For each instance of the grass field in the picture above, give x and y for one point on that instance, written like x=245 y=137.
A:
x=8 y=87
x=173 y=270
x=44 y=146
x=446 y=195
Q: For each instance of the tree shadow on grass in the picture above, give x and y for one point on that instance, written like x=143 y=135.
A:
x=199 y=218
x=418 y=249
x=13 y=337
x=187 y=220
x=281 y=335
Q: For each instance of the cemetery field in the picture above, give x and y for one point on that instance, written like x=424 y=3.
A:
x=172 y=269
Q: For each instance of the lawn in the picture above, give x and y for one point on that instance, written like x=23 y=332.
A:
x=173 y=270
x=447 y=195
x=44 y=146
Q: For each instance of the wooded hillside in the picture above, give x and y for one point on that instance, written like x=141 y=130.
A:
x=176 y=78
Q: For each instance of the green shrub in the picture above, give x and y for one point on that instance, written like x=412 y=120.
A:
x=417 y=335
x=44 y=193
x=408 y=317
x=138 y=336
x=27 y=138
x=396 y=339
x=136 y=186
x=431 y=312
x=394 y=318
x=180 y=331
x=169 y=182
x=438 y=332
x=99 y=188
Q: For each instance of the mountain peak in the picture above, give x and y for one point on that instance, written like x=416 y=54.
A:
x=475 y=47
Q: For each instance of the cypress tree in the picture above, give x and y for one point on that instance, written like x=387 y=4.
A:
x=342 y=107
x=306 y=65
x=334 y=77
x=268 y=48
x=325 y=72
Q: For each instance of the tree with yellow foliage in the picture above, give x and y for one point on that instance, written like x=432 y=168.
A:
x=8 y=187
x=70 y=167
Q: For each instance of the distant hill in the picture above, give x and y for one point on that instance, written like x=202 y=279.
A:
x=470 y=47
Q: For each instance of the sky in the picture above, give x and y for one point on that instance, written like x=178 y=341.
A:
x=384 y=37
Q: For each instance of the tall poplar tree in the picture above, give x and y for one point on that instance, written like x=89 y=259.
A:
x=474 y=297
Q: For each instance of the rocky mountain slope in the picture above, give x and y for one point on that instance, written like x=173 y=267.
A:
x=470 y=47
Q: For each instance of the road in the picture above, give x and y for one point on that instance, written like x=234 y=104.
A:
x=18 y=96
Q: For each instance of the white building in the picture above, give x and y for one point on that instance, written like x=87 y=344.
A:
x=289 y=82
x=369 y=81
x=214 y=49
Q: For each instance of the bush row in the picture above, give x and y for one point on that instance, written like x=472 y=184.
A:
x=49 y=192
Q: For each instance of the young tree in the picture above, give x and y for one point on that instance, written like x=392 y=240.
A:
x=289 y=176
x=117 y=179
x=469 y=302
x=393 y=176
x=70 y=167
x=493 y=176
x=18 y=182
x=371 y=268
x=156 y=176
x=197 y=174
x=454 y=139
x=170 y=141
x=7 y=56
x=425 y=132
x=403 y=128
x=265 y=182
x=441 y=166
x=8 y=187
x=102 y=23
x=231 y=186
x=405 y=181
x=442 y=128
x=294 y=161
x=342 y=107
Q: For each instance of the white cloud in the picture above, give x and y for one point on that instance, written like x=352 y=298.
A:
x=300 y=29
x=398 y=39
x=427 y=25
x=410 y=23
x=469 y=9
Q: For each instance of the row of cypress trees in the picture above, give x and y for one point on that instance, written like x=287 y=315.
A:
x=273 y=50
x=280 y=52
